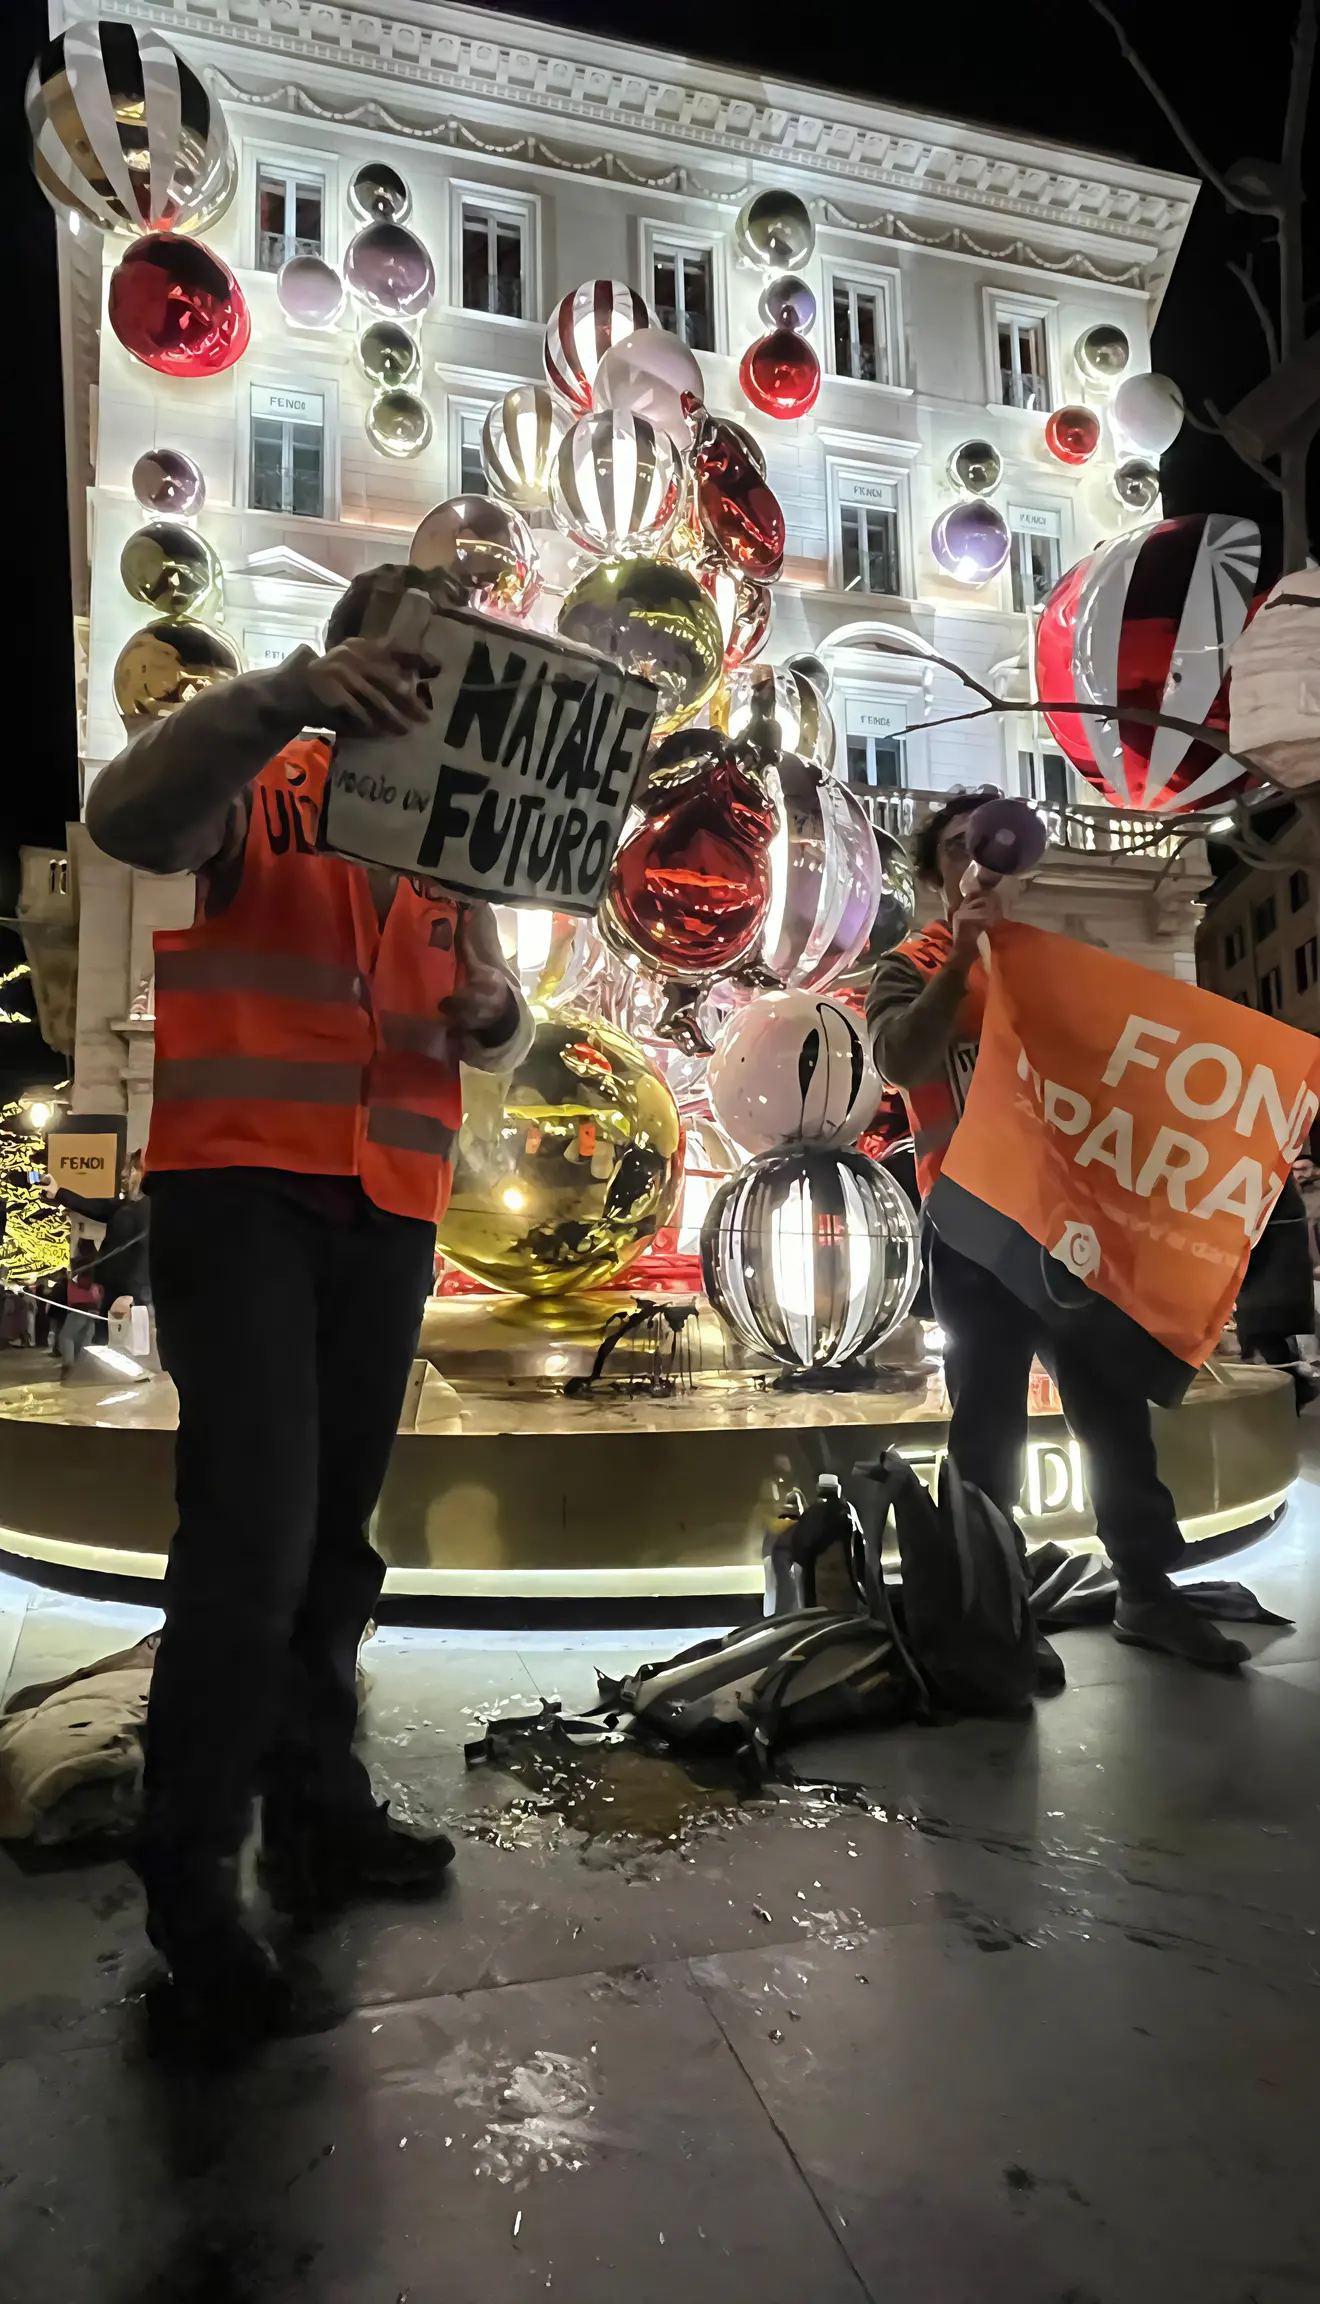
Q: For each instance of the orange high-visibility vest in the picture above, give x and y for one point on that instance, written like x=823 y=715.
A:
x=293 y=1030
x=935 y=1105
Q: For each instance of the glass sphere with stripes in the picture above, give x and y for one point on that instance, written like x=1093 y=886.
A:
x=614 y=482
x=581 y=331
x=519 y=442
x=125 y=134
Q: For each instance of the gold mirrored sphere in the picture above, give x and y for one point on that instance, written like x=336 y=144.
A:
x=565 y=1169
x=165 y=664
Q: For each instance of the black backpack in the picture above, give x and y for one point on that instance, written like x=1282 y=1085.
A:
x=966 y=1601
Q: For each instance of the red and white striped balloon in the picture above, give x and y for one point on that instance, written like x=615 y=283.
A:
x=614 y=482
x=518 y=444
x=580 y=333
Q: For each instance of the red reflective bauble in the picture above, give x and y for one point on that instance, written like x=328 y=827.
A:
x=177 y=308
x=1073 y=435
x=1147 y=621
x=781 y=374
x=740 y=511
x=743 y=607
x=689 y=888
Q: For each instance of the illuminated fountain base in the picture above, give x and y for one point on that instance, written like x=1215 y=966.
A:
x=501 y=1488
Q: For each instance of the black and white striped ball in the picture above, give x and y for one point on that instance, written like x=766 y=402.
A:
x=519 y=440
x=581 y=331
x=793 y=1068
x=126 y=134
x=614 y=482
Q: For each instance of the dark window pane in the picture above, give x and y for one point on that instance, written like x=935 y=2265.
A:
x=476 y=264
x=508 y=260
x=842 y=332
x=1299 y=888
x=850 y=532
x=1056 y=779
x=271 y=206
x=867 y=350
x=308 y=224
x=697 y=330
x=888 y=755
x=306 y=467
x=472 y=479
x=267 y=464
x=665 y=292
x=858 y=764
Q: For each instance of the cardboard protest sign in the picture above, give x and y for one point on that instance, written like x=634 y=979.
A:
x=1124 y=1139
x=517 y=787
x=85 y=1153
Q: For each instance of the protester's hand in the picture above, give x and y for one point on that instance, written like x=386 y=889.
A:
x=121 y=1307
x=484 y=1006
x=969 y=923
x=49 y=1187
x=367 y=688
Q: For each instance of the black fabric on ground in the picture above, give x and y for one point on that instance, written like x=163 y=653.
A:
x=290 y=1377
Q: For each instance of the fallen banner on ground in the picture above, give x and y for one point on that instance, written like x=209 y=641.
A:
x=1124 y=1139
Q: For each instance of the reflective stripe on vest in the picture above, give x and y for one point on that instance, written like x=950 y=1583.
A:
x=934 y=1107
x=296 y=1030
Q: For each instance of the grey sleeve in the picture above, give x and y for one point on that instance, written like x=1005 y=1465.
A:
x=481 y=938
x=163 y=802
x=911 y=1018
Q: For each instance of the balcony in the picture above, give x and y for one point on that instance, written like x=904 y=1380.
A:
x=1082 y=832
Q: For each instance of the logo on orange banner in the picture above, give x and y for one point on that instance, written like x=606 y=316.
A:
x=1125 y=1137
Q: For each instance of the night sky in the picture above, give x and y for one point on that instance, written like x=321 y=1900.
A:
x=1048 y=70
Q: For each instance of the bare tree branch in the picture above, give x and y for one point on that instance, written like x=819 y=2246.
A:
x=1299 y=88
x=1204 y=166
x=1247 y=275
x=1224 y=426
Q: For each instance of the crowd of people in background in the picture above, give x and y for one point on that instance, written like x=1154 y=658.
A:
x=107 y=1275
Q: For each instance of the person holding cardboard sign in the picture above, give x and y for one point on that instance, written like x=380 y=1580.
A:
x=926 y=1008
x=310 y=1027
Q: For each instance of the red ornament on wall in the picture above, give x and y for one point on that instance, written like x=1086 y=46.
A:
x=740 y=511
x=780 y=375
x=177 y=308
x=689 y=889
x=1073 y=434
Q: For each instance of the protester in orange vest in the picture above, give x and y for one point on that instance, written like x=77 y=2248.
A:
x=925 y=1009
x=309 y=1030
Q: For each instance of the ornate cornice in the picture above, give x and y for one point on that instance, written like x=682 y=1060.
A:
x=503 y=66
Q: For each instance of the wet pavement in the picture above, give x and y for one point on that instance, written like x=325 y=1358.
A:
x=1035 y=2019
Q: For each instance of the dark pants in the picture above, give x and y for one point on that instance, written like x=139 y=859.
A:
x=990 y=1340
x=290 y=1335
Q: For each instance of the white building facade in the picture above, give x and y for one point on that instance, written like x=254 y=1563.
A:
x=955 y=270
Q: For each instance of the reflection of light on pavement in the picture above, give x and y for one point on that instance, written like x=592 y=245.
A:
x=512 y=1197
x=935 y=1338
x=119 y=1361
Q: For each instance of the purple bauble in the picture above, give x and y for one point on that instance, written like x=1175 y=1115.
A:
x=970 y=541
x=390 y=270
x=310 y=292
x=788 y=302
x=165 y=480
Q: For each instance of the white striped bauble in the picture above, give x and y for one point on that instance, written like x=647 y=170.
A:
x=125 y=133
x=582 y=329
x=614 y=482
x=518 y=444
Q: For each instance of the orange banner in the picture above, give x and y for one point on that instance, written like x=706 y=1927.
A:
x=1136 y=1129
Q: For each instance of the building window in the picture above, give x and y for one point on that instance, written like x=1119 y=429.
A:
x=1263 y=920
x=1304 y=963
x=1271 y=993
x=862 y=332
x=1043 y=776
x=1037 y=555
x=287 y=469
x=472 y=479
x=1235 y=947
x=1299 y=888
x=682 y=294
x=868 y=537
x=876 y=762
x=290 y=207
x=1023 y=366
x=492 y=254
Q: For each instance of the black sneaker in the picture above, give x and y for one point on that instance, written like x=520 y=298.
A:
x=311 y=1868
x=1167 y=1622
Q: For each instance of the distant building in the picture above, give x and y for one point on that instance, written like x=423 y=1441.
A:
x=956 y=269
x=1259 y=942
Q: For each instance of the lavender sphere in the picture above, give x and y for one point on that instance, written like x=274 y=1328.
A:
x=165 y=480
x=970 y=541
x=390 y=270
x=788 y=302
x=310 y=292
